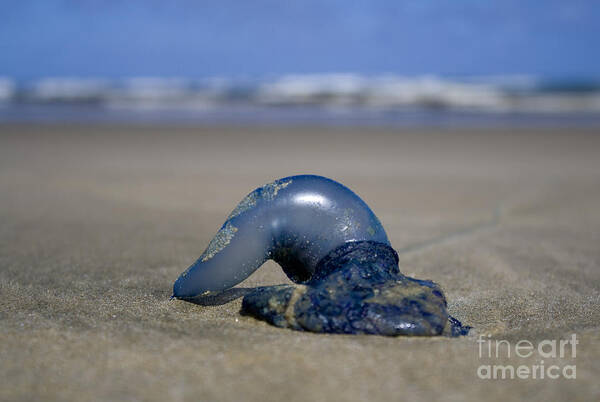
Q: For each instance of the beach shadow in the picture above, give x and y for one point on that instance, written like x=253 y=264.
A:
x=218 y=299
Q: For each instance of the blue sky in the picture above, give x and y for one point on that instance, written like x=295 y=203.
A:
x=256 y=38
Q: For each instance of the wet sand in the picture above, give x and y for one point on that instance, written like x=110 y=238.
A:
x=98 y=221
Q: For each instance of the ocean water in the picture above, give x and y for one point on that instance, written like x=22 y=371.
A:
x=333 y=99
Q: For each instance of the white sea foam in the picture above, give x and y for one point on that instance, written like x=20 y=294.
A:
x=302 y=89
x=497 y=94
x=7 y=89
x=67 y=89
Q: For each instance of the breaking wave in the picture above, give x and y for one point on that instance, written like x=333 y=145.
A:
x=336 y=94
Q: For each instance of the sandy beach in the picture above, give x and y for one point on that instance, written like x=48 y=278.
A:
x=97 y=221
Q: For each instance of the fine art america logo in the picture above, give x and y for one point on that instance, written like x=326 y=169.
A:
x=554 y=349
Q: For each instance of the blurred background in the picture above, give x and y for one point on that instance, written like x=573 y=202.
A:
x=336 y=62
